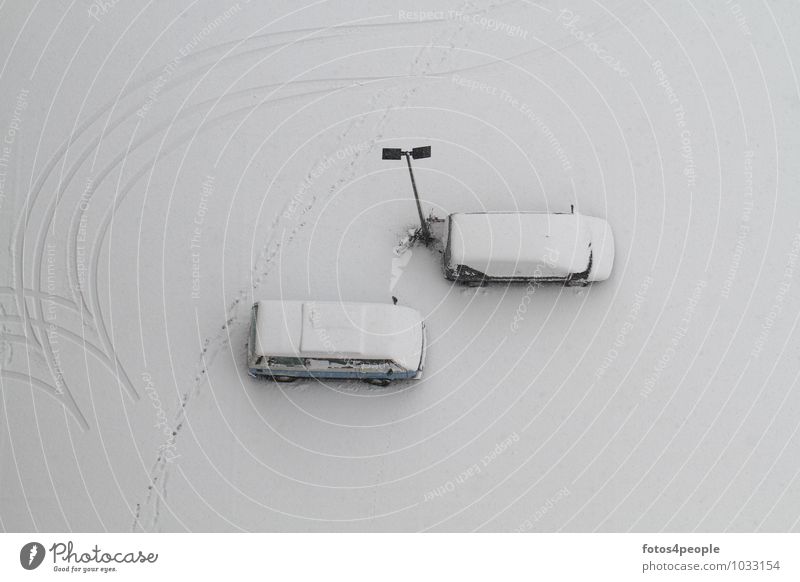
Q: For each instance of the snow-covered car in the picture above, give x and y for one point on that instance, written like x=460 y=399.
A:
x=569 y=248
x=374 y=342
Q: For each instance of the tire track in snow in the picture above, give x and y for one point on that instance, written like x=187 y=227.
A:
x=48 y=389
x=73 y=337
x=6 y=347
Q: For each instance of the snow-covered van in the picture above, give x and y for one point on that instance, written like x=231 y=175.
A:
x=569 y=248
x=374 y=342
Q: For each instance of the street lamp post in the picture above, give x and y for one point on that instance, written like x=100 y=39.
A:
x=416 y=153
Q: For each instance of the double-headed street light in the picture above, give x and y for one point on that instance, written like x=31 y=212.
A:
x=417 y=154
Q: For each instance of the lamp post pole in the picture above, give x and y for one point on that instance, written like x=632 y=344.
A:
x=416 y=153
x=426 y=235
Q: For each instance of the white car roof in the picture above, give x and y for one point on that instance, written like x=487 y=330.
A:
x=332 y=329
x=520 y=244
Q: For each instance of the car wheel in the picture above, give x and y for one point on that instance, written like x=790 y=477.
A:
x=378 y=381
x=479 y=283
x=578 y=283
x=283 y=378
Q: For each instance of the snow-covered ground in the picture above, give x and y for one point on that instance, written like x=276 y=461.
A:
x=163 y=166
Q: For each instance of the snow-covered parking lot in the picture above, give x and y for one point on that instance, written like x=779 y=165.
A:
x=164 y=166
